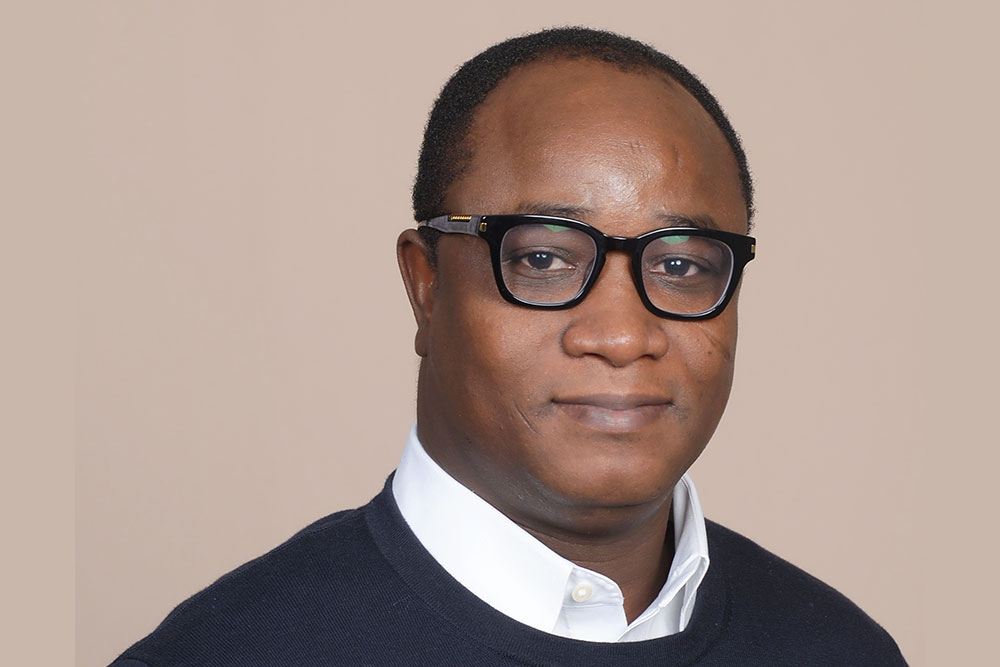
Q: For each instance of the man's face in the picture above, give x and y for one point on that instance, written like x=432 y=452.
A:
x=573 y=419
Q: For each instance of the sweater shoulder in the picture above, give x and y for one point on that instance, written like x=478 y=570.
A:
x=771 y=578
x=305 y=577
x=779 y=601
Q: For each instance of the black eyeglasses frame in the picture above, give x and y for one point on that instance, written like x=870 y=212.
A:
x=492 y=228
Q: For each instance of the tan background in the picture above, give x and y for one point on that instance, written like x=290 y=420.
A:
x=234 y=174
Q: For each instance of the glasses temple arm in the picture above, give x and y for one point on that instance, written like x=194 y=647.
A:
x=452 y=224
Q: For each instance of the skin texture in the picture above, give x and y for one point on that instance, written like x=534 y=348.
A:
x=577 y=423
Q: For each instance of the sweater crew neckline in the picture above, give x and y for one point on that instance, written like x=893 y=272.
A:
x=477 y=621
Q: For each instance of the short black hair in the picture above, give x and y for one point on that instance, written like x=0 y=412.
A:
x=445 y=152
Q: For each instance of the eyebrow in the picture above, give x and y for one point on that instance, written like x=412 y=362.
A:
x=557 y=210
x=703 y=221
x=699 y=220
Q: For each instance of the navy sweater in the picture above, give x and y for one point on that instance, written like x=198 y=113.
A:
x=357 y=588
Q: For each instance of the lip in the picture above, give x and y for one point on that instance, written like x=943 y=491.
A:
x=614 y=413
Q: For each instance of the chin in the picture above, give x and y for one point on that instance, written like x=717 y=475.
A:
x=618 y=470
x=610 y=489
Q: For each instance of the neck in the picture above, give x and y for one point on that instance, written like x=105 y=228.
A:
x=636 y=559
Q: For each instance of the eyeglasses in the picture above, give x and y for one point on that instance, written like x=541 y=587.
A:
x=543 y=261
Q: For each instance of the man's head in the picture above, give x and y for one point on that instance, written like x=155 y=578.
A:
x=578 y=419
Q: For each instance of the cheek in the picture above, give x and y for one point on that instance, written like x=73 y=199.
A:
x=709 y=351
x=495 y=385
x=489 y=351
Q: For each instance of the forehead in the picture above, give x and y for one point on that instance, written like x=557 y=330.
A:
x=588 y=135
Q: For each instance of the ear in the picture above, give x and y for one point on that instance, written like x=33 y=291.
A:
x=418 y=278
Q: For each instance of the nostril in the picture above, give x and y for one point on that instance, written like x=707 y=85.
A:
x=621 y=339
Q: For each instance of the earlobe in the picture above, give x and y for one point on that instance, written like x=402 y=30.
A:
x=418 y=279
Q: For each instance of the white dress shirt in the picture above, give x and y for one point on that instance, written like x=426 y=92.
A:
x=510 y=570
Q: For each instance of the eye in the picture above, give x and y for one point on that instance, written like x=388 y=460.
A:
x=543 y=261
x=680 y=267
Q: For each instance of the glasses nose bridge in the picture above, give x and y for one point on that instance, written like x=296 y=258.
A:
x=626 y=245
x=623 y=244
x=619 y=243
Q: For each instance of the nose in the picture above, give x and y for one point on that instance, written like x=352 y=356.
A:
x=612 y=323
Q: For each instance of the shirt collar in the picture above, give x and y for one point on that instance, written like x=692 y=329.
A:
x=508 y=568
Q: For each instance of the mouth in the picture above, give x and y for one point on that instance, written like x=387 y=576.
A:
x=614 y=413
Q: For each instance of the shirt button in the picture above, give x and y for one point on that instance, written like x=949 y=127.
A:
x=582 y=592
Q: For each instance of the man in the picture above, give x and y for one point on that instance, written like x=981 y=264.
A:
x=583 y=206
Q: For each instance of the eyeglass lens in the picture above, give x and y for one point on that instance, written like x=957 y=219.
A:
x=549 y=264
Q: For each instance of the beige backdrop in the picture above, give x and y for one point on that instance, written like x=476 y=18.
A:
x=245 y=358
